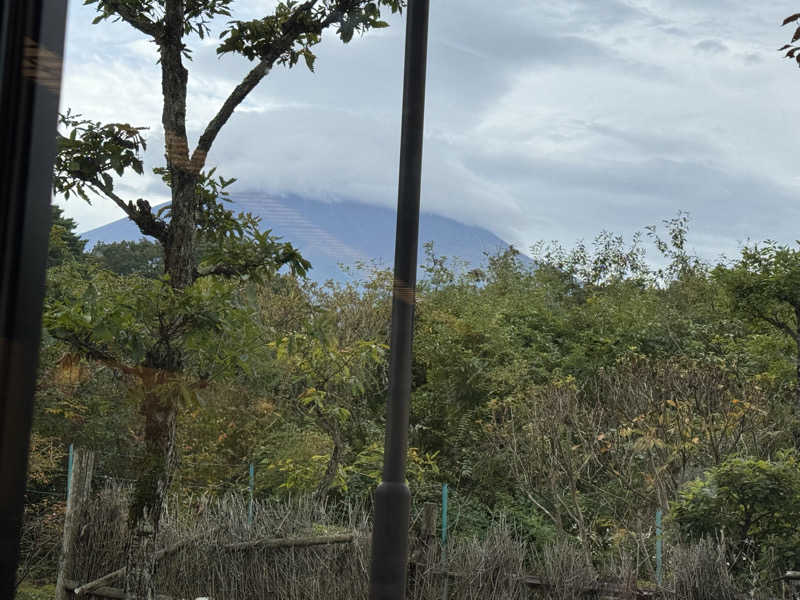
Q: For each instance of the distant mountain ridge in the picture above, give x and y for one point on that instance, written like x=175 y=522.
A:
x=329 y=233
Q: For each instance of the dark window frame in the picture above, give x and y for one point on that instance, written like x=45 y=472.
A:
x=31 y=49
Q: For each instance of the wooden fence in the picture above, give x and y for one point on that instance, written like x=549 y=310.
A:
x=424 y=560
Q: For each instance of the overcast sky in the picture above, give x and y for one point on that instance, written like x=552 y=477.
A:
x=545 y=119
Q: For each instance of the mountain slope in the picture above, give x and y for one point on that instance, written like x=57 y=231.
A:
x=329 y=233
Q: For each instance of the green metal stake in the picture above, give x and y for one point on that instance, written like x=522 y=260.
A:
x=444 y=541
x=252 y=491
x=659 y=546
x=69 y=469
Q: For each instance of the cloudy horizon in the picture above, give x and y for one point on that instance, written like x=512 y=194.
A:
x=543 y=120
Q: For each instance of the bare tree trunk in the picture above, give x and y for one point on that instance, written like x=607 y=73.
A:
x=328 y=478
x=141 y=568
x=179 y=254
x=150 y=493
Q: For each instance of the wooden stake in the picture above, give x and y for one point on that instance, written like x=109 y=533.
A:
x=80 y=485
x=428 y=527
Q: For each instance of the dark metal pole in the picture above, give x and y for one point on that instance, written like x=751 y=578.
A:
x=31 y=47
x=392 y=498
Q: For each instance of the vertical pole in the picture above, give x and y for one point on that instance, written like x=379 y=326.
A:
x=252 y=492
x=31 y=47
x=80 y=486
x=69 y=471
x=392 y=499
x=659 y=548
x=444 y=513
x=444 y=542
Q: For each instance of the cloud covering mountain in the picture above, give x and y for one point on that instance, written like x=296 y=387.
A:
x=544 y=119
x=330 y=234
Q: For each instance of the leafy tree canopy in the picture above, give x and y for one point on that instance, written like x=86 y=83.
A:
x=64 y=243
x=145 y=257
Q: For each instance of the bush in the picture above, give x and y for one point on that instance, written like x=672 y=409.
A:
x=756 y=503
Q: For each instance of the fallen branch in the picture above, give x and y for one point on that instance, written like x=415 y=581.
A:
x=292 y=542
x=109 y=592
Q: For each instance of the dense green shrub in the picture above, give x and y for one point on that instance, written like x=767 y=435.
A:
x=755 y=503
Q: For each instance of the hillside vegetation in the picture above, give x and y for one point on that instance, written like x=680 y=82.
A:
x=572 y=399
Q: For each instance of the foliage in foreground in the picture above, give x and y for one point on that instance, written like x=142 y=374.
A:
x=573 y=399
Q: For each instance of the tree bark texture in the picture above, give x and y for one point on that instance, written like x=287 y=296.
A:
x=147 y=505
x=179 y=256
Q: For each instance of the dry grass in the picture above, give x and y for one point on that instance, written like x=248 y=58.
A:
x=565 y=569
x=485 y=568
x=700 y=572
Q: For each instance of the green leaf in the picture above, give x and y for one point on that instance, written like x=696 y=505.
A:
x=310 y=58
x=346 y=31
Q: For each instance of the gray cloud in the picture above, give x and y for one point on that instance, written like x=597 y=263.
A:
x=543 y=119
x=711 y=46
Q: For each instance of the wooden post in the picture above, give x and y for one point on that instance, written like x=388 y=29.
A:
x=428 y=527
x=80 y=485
x=444 y=542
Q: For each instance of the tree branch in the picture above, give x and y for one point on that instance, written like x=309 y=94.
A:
x=133 y=17
x=94 y=352
x=228 y=270
x=236 y=97
x=292 y=28
x=141 y=214
x=779 y=325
